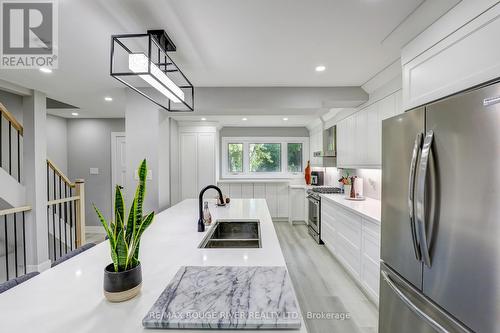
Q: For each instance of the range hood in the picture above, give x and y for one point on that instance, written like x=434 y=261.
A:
x=328 y=156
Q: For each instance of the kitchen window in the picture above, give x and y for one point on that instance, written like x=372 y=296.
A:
x=259 y=157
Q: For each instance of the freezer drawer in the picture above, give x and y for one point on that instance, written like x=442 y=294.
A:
x=404 y=310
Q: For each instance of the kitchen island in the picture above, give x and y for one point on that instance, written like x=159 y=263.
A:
x=69 y=297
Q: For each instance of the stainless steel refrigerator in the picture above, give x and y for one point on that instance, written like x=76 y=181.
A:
x=440 y=269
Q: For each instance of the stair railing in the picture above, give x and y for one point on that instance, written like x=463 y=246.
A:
x=14 y=242
x=11 y=164
x=65 y=212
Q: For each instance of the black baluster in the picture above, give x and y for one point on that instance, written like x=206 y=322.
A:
x=18 y=158
x=71 y=220
x=24 y=245
x=6 y=247
x=59 y=217
x=10 y=148
x=15 y=241
x=65 y=219
x=53 y=215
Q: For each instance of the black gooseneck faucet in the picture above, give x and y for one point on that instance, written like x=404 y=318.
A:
x=201 y=225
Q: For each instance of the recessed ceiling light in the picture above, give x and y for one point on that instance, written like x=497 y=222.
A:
x=320 y=68
x=108 y=99
x=244 y=119
x=74 y=114
x=45 y=70
x=203 y=119
x=285 y=119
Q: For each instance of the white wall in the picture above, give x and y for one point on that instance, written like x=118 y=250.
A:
x=89 y=146
x=57 y=142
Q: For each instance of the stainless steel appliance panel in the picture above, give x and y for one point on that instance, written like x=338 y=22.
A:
x=314 y=219
x=406 y=310
x=461 y=208
x=398 y=238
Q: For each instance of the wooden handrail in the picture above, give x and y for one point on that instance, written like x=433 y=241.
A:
x=60 y=201
x=60 y=173
x=10 y=117
x=14 y=210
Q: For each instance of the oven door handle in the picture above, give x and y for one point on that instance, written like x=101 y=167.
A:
x=313 y=200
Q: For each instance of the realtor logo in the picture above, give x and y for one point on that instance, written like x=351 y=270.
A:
x=29 y=34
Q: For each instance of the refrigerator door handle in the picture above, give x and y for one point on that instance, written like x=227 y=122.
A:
x=438 y=327
x=411 y=191
x=421 y=209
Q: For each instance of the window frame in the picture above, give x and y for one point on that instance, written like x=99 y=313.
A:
x=246 y=141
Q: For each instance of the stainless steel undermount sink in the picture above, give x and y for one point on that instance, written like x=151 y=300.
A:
x=233 y=234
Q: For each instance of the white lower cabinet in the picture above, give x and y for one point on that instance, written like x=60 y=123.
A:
x=355 y=242
x=276 y=195
x=297 y=205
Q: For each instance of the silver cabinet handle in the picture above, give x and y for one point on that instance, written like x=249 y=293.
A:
x=411 y=189
x=421 y=209
x=414 y=308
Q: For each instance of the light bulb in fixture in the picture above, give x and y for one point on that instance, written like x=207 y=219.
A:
x=74 y=114
x=108 y=99
x=138 y=63
x=244 y=119
x=320 y=68
x=203 y=119
x=285 y=119
x=45 y=70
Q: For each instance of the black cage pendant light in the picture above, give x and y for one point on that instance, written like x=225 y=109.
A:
x=141 y=62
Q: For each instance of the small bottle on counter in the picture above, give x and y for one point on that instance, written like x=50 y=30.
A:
x=207 y=217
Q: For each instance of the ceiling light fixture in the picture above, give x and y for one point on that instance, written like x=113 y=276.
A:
x=320 y=68
x=45 y=70
x=203 y=119
x=74 y=114
x=108 y=99
x=285 y=119
x=244 y=119
x=145 y=56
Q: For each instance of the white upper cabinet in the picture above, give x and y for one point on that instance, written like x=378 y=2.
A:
x=466 y=57
x=359 y=136
x=316 y=144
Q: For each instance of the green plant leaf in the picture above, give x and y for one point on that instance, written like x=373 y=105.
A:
x=119 y=204
x=111 y=236
x=141 y=191
x=121 y=247
x=134 y=250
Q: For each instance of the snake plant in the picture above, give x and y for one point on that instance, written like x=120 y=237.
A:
x=124 y=239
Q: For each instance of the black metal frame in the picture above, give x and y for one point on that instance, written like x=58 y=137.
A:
x=164 y=44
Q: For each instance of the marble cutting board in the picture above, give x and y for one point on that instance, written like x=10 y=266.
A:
x=226 y=297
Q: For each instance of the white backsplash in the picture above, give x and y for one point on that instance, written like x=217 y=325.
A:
x=372 y=179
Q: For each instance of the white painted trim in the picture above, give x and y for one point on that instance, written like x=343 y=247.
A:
x=114 y=136
x=39 y=268
x=95 y=229
x=246 y=174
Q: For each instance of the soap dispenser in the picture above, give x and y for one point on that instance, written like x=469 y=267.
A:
x=207 y=217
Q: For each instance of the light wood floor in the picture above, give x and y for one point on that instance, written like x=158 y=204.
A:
x=323 y=286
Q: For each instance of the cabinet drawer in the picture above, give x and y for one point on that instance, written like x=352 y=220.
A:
x=348 y=254
x=370 y=276
x=327 y=219
x=349 y=225
x=371 y=244
x=328 y=236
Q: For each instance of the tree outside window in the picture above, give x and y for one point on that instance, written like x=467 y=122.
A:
x=265 y=157
x=235 y=154
x=294 y=151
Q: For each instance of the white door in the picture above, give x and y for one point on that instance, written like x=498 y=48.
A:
x=118 y=161
x=189 y=165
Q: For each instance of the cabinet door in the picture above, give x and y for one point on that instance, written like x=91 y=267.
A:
x=206 y=159
x=373 y=137
x=370 y=258
x=272 y=199
x=189 y=162
x=297 y=205
x=341 y=143
x=360 y=149
x=282 y=199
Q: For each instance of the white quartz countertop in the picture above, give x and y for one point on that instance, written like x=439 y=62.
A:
x=369 y=208
x=69 y=297
x=250 y=180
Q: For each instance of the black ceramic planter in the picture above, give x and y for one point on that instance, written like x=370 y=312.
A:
x=122 y=286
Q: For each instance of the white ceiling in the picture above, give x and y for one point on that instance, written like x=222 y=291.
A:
x=230 y=43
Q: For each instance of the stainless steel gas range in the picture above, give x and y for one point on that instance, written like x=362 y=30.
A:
x=314 y=216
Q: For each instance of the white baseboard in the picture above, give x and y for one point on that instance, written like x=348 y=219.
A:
x=95 y=229
x=39 y=268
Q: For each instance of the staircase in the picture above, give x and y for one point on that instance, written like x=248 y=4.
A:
x=65 y=205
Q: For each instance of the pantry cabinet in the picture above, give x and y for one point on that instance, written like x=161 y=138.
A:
x=359 y=136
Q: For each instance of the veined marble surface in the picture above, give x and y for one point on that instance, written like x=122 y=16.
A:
x=226 y=297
